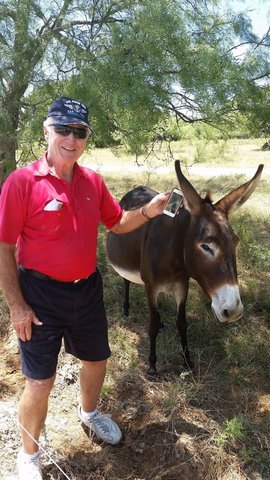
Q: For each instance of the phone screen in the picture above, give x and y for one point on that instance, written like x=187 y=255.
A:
x=173 y=203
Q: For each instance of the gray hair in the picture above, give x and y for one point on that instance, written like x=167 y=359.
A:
x=48 y=122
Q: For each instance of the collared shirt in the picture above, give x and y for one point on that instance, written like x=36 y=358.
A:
x=54 y=223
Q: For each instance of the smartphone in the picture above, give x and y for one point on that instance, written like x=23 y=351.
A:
x=173 y=203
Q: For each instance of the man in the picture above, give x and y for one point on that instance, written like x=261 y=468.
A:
x=49 y=216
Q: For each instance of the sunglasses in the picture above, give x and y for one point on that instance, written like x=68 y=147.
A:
x=65 y=130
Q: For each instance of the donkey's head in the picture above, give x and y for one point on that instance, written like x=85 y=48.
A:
x=210 y=245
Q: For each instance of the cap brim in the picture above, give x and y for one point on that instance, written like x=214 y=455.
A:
x=65 y=120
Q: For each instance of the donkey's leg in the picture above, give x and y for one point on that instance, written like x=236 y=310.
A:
x=126 y=297
x=181 y=292
x=181 y=324
x=154 y=327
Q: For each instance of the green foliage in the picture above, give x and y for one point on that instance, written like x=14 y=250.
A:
x=257 y=111
x=154 y=54
x=234 y=430
x=137 y=64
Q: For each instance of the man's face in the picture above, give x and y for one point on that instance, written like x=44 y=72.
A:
x=64 y=148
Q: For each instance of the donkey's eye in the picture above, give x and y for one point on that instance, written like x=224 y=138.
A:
x=207 y=249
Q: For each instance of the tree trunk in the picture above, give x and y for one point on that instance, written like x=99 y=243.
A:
x=9 y=120
x=7 y=156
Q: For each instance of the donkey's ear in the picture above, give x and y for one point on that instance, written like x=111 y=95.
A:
x=239 y=196
x=191 y=198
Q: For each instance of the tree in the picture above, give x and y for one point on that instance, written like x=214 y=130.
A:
x=39 y=44
x=136 y=63
x=174 y=59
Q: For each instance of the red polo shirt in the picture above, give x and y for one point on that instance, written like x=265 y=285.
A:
x=55 y=224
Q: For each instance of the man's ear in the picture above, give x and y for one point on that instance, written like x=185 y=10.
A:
x=46 y=133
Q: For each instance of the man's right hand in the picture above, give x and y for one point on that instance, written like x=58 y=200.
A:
x=22 y=320
x=21 y=314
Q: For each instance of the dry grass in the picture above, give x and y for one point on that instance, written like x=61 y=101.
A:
x=214 y=425
x=233 y=153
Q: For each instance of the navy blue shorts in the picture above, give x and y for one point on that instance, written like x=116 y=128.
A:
x=71 y=311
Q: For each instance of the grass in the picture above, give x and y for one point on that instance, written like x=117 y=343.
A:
x=214 y=425
x=232 y=362
x=210 y=153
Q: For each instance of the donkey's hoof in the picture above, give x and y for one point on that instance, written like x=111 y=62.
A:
x=152 y=373
x=161 y=327
x=189 y=366
x=126 y=310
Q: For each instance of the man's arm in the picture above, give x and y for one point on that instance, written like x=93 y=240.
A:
x=21 y=314
x=132 y=219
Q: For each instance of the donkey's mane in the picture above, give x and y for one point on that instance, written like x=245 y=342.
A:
x=208 y=198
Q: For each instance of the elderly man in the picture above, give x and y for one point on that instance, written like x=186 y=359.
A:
x=49 y=216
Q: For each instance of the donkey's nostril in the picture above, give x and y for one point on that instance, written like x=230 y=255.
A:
x=226 y=313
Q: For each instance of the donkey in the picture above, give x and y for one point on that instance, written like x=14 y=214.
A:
x=166 y=252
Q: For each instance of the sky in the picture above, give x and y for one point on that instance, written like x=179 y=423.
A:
x=258 y=11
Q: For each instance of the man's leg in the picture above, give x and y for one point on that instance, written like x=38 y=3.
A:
x=91 y=380
x=92 y=376
x=33 y=409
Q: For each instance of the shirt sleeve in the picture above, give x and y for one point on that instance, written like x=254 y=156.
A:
x=12 y=210
x=111 y=211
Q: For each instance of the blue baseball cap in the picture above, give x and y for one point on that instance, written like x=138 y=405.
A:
x=67 y=111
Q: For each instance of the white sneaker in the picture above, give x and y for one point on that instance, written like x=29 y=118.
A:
x=103 y=426
x=29 y=469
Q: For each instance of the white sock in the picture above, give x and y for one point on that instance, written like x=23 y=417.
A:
x=87 y=415
x=30 y=456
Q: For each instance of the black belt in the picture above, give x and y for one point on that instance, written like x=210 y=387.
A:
x=42 y=276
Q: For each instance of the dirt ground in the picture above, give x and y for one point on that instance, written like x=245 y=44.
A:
x=159 y=443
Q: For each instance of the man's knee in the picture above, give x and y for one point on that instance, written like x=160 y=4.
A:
x=38 y=387
x=94 y=366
